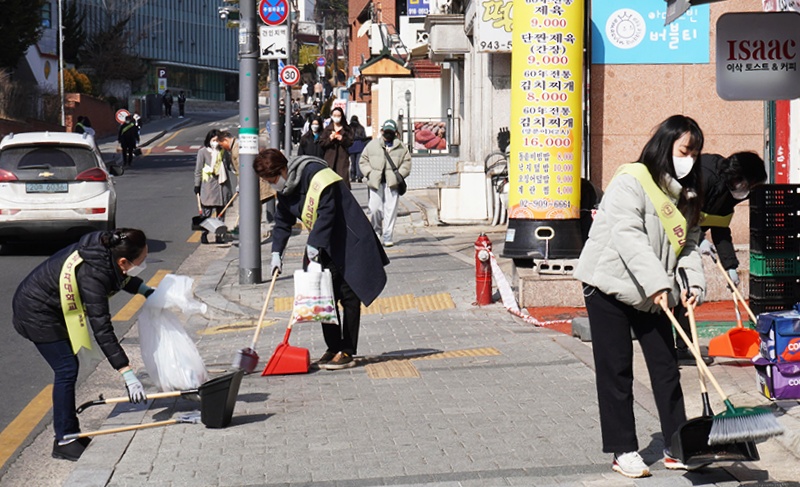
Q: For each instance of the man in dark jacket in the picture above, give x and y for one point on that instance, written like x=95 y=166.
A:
x=53 y=303
x=340 y=239
x=128 y=139
x=726 y=183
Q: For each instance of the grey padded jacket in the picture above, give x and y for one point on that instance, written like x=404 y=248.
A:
x=628 y=255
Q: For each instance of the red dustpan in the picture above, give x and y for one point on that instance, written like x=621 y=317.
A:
x=739 y=342
x=288 y=359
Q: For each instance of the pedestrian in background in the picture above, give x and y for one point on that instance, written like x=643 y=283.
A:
x=335 y=140
x=84 y=126
x=79 y=279
x=181 y=104
x=304 y=92
x=128 y=138
x=381 y=180
x=230 y=145
x=309 y=142
x=628 y=268
x=359 y=141
x=211 y=180
x=726 y=183
x=318 y=89
x=340 y=239
x=167 y=99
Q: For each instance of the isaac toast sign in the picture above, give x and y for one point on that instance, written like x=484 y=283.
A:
x=758 y=56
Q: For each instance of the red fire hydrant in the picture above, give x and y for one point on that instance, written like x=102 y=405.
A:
x=483 y=270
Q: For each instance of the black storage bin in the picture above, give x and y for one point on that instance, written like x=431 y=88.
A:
x=775 y=287
x=774 y=240
x=776 y=196
x=770 y=305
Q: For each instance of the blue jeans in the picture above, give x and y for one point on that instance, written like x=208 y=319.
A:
x=65 y=367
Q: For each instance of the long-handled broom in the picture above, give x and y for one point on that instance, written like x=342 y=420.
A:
x=735 y=424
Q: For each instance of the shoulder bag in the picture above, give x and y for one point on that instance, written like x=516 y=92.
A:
x=401 y=181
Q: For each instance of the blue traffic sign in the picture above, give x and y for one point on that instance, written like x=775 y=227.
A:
x=321 y=61
x=273 y=12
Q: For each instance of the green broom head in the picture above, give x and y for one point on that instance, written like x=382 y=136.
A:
x=743 y=424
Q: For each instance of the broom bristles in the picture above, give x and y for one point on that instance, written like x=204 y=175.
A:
x=743 y=424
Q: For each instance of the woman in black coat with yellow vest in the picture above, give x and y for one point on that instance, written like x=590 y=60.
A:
x=53 y=304
x=340 y=239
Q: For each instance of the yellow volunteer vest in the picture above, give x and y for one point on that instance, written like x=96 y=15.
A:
x=71 y=305
x=707 y=220
x=319 y=182
x=671 y=219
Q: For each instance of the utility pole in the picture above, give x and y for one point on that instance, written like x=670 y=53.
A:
x=61 y=61
x=249 y=204
x=288 y=137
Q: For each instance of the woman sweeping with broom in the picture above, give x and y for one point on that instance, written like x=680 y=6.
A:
x=645 y=228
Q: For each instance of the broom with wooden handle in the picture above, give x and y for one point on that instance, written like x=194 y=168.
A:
x=735 y=289
x=735 y=424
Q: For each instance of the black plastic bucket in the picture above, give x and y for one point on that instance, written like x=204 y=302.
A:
x=218 y=399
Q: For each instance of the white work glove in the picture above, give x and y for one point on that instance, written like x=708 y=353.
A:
x=707 y=248
x=135 y=388
x=698 y=294
x=276 y=264
x=734 y=276
x=312 y=253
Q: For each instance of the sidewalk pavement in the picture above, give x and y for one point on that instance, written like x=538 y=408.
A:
x=445 y=393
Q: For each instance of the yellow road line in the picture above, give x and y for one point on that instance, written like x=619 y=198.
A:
x=18 y=430
x=163 y=142
x=129 y=310
x=194 y=237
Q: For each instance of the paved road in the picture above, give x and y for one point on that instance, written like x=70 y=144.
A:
x=154 y=195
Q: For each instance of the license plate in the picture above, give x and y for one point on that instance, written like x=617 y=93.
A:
x=46 y=188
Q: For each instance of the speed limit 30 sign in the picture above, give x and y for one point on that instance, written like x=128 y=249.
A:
x=290 y=75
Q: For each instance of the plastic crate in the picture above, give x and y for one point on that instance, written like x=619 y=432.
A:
x=775 y=196
x=781 y=219
x=774 y=264
x=770 y=305
x=775 y=287
x=780 y=240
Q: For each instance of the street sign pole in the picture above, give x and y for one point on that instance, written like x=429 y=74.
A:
x=288 y=139
x=249 y=202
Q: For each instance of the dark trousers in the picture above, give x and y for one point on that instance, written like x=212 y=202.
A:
x=611 y=322
x=344 y=337
x=65 y=368
x=181 y=108
x=127 y=155
x=355 y=169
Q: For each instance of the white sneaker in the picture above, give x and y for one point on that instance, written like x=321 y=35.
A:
x=673 y=463
x=630 y=465
x=388 y=243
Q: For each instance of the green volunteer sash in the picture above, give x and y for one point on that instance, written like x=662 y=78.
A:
x=319 y=182
x=71 y=305
x=671 y=218
x=707 y=220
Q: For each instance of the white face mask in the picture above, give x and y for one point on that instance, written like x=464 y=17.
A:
x=136 y=269
x=279 y=184
x=336 y=119
x=214 y=144
x=683 y=165
x=315 y=128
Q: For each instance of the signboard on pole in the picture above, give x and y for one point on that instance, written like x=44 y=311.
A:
x=273 y=42
x=161 y=74
x=290 y=75
x=121 y=115
x=273 y=12
x=321 y=61
x=758 y=55
x=494 y=26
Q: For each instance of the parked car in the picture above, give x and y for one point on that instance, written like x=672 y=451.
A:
x=54 y=184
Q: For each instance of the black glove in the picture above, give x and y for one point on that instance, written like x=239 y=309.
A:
x=197 y=190
x=149 y=292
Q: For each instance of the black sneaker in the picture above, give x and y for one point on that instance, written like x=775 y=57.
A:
x=686 y=359
x=326 y=357
x=342 y=360
x=72 y=451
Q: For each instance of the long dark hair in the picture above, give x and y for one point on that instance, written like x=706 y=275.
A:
x=657 y=157
x=343 y=121
x=128 y=243
x=210 y=135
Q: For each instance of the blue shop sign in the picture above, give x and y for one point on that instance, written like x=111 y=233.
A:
x=418 y=8
x=633 y=32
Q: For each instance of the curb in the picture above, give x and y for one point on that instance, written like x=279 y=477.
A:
x=206 y=289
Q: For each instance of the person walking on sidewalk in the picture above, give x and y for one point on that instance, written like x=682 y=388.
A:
x=359 y=142
x=309 y=142
x=211 y=178
x=128 y=139
x=381 y=180
x=340 y=239
x=646 y=227
x=335 y=140
x=167 y=99
x=726 y=183
x=181 y=104
x=53 y=304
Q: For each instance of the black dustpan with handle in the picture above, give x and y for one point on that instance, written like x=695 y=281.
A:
x=690 y=443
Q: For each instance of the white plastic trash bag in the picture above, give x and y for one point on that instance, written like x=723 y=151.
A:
x=169 y=355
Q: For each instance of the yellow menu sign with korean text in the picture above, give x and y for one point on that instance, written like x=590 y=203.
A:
x=546 y=109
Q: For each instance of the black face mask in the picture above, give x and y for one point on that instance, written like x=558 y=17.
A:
x=389 y=136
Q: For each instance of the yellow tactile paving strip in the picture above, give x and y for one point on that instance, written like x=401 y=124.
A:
x=400 y=368
x=392 y=304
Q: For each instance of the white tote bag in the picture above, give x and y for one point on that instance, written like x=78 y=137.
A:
x=313 y=297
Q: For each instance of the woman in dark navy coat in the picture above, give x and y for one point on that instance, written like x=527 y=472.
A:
x=341 y=239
